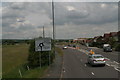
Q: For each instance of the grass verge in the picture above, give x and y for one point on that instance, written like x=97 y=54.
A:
x=13 y=59
x=59 y=50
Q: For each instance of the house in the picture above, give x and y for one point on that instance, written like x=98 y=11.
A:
x=80 y=40
x=114 y=35
x=118 y=36
x=106 y=37
x=98 y=39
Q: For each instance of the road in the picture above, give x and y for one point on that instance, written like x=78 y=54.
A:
x=75 y=66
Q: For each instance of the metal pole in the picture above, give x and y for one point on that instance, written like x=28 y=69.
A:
x=53 y=20
x=49 y=58
x=43 y=32
x=53 y=28
x=40 y=58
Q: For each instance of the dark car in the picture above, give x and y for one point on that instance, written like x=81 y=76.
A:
x=74 y=46
x=107 y=49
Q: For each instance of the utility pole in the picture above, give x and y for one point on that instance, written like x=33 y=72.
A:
x=53 y=27
x=53 y=20
x=43 y=32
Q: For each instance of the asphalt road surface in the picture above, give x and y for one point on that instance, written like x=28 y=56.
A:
x=75 y=66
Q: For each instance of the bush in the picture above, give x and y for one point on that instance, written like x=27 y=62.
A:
x=34 y=57
x=117 y=48
x=96 y=44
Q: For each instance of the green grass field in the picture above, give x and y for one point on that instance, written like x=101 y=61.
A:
x=0 y=61
x=13 y=57
x=59 y=50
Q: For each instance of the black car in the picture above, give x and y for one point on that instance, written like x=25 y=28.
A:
x=74 y=46
x=107 y=49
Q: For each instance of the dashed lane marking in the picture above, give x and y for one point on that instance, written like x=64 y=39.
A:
x=48 y=75
x=81 y=60
x=92 y=73
x=63 y=69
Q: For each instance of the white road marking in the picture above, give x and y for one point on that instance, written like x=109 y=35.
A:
x=92 y=73
x=117 y=69
x=48 y=75
x=115 y=62
x=63 y=69
x=107 y=64
x=85 y=65
x=112 y=65
x=81 y=60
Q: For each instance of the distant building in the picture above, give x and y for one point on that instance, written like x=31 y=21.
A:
x=114 y=35
x=80 y=40
x=98 y=39
x=118 y=36
x=106 y=37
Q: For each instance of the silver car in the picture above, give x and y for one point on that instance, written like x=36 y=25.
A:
x=96 y=59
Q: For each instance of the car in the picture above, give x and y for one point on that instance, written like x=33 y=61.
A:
x=74 y=46
x=96 y=59
x=65 y=47
x=107 y=49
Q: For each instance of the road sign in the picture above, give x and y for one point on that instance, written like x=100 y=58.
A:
x=43 y=44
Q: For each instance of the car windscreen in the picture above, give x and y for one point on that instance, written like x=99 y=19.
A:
x=98 y=56
x=108 y=47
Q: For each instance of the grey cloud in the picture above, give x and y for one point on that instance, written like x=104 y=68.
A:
x=77 y=15
x=95 y=14
x=36 y=14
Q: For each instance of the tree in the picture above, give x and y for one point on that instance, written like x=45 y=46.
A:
x=112 y=41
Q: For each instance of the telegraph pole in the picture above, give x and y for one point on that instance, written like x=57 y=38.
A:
x=53 y=27
x=43 y=32
x=53 y=20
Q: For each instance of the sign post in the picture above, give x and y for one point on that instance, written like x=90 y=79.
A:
x=43 y=44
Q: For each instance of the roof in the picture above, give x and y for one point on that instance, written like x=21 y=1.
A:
x=113 y=33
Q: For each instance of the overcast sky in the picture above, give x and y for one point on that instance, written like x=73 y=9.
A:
x=72 y=19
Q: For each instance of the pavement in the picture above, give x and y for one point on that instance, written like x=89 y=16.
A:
x=54 y=70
